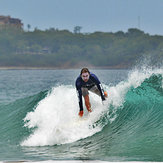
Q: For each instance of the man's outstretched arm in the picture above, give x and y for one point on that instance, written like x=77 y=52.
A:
x=99 y=86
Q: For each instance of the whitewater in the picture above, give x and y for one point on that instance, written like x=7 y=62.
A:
x=57 y=121
x=40 y=119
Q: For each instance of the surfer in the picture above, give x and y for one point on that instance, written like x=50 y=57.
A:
x=88 y=82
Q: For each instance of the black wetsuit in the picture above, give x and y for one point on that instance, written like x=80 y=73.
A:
x=93 y=80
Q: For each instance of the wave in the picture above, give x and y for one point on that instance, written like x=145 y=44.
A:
x=131 y=104
x=129 y=123
x=137 y=128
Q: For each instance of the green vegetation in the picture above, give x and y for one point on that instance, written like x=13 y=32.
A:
x=64 y=49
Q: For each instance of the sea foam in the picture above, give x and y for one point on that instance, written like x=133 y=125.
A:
x=56 y=118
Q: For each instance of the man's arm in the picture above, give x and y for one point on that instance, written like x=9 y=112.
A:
x=99 y=86
x=79 y=93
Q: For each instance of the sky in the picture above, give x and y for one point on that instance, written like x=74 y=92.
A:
x=91 y=15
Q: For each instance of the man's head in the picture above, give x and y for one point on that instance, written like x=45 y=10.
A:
x=85 y=74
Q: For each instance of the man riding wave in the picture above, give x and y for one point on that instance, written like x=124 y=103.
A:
x=88 y=82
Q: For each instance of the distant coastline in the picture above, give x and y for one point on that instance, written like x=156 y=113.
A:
x=62 y=49
x=57 y=68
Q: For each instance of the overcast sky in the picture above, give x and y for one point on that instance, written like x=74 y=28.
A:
x=91 y=15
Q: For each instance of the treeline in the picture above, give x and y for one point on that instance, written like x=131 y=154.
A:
x=64 y=49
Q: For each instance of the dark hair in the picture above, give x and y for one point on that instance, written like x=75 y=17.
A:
x=84 y=70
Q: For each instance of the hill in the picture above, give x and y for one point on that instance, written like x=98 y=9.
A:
x=64 y=49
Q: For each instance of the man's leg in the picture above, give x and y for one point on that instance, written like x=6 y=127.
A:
x=85 y=94
x=95 y=90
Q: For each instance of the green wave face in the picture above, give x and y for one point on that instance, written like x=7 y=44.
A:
x=137 y=132
x=12 y=115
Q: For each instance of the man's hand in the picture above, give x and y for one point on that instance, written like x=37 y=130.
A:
x=81 y=113
x=105 y=94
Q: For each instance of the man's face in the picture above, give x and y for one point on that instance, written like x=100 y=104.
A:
x=85 y=76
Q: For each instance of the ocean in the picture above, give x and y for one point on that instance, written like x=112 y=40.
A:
x=39 y=116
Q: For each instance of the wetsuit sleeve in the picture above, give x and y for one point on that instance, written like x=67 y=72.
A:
x=79 y=93
x=99 y=86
